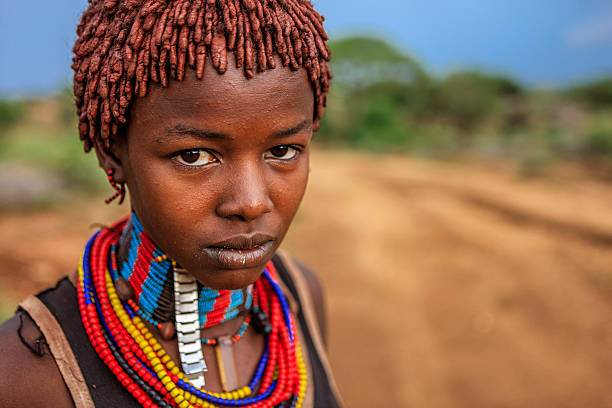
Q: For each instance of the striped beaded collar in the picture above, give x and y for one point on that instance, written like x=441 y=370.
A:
x=149 y=272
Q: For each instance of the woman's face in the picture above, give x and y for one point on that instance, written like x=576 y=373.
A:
x=216 y=168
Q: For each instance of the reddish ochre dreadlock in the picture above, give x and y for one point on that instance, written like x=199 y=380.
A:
x=124 y=44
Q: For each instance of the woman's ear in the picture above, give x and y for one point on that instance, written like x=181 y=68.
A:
x=109 y=159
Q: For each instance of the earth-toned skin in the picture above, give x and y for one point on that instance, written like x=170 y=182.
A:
x=216 y=169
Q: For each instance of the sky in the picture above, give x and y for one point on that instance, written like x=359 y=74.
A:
x=547 y=43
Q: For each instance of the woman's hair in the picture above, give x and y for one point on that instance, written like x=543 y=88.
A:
x=122 y=45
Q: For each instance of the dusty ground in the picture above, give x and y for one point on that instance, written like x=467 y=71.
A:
x=448 y=285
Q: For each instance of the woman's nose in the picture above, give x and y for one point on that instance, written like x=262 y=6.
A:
x=247 y=195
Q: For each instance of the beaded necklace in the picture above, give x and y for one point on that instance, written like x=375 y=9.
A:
x=148 y=270
x=139 y=362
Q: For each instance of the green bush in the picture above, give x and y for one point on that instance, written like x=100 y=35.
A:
x=379 y=125
x=599 y=138
x=383 y=99
x=597 y=94
x=11 y=112
x=468 y=98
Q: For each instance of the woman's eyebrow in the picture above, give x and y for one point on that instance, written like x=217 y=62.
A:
x=292 y=130
x=185 y=131
x=182 y=131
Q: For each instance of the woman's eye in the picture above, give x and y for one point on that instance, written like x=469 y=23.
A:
x=194 y=158
x=283 y=152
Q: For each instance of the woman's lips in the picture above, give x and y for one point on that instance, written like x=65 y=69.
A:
x=241 y=252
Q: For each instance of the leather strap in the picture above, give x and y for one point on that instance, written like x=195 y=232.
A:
x=310 y=317
x=61 y=351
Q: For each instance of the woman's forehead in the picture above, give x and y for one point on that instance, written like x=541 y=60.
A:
x=231 y=95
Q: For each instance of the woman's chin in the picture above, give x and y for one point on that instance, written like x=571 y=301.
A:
x=228 y=279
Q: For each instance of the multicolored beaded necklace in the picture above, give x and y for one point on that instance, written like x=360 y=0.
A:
x=148 y=270
x=122 y=340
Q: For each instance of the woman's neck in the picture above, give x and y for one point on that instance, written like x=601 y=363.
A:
x=149 y=272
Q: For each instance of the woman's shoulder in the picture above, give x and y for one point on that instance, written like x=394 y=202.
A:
x=31 y=377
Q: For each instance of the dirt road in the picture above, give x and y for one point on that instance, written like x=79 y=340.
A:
x=448 y=285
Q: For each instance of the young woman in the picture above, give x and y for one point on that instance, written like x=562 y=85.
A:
x=204 y=110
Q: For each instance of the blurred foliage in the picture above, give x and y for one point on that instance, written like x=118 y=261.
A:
x=41 y=141
x=597 y=94
x=58 y=152
x=11 y=112
x=382 y=99
x=362 y=61
x=599 y=137
x=67 y=111
x=468 y=98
